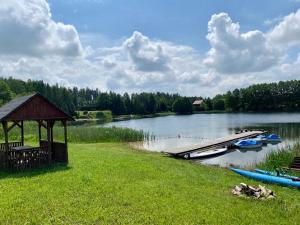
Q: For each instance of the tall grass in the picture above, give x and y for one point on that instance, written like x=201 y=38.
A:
x=281 y=158
x=79 y=134
x=86 y=134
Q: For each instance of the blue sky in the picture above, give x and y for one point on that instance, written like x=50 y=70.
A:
x=182 y=22
x=188 y=47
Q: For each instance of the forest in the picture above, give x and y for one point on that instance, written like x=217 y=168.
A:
x=281 y=96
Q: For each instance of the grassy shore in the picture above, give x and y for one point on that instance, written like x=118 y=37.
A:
x=281 y=158
x=110 y=183
x=106 y=116
x=103 y=116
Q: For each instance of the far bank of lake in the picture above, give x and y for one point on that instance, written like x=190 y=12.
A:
x=175 y=131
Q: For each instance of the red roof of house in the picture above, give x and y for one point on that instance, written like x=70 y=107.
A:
x=198 y=102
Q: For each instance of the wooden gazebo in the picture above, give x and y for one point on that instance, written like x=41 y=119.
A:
x=16 y=155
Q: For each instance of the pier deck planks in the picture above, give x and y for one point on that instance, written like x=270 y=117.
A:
x=214 y=143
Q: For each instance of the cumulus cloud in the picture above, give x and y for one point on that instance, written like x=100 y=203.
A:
x=287 y=32
x=144 y=64
x=33 y=46
x=26 y=28
x=235 y=52
x=144 y=54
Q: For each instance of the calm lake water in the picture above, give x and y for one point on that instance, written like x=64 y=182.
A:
x=176 y=131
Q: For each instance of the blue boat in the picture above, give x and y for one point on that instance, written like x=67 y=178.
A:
x=267 y=178
x=275 y=174
x=273 y=138
x=250 y=143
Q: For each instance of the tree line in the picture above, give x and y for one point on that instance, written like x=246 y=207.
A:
x=281 y=96
x=86 y=99
x=266 y=97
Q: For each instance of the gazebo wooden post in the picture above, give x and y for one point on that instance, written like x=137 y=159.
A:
x=4 y=124
x=22 y=132
x=40 y=133
x=51 y=129
x=64 y=122
x=49 y=141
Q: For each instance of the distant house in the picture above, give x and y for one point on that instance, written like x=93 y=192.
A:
x=198 y=105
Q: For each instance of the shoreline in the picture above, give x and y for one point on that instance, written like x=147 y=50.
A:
x=164 y=114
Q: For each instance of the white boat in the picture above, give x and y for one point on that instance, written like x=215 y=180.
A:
x=209 y=153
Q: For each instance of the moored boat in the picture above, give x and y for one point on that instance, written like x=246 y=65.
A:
x=261 y=138
x=209 y=153
x=245 y=150
x=248 y=144
x=273 y=138
x=267 y=178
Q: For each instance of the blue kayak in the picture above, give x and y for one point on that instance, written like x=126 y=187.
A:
x=275 y=174
x=267 y=178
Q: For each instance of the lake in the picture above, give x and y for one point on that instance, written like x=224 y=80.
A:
x=176 y=131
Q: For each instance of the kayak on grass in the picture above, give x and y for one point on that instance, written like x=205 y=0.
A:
x=275 y=174
x=267 y=178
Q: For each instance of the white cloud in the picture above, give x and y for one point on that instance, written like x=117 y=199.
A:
x=235 y=52
x=143 y=64
x=28 y=29
x=33 y=46
x=146 y=55
x=64 y=71
x=287 y=32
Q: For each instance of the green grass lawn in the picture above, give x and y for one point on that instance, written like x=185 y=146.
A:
x=113 y=184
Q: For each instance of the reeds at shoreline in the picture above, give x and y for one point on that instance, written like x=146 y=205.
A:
x=80 y=134
x=281 y=158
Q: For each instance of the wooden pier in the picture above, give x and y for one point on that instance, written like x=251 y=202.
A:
x=214 y=143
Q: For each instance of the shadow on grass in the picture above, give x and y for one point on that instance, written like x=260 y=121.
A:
x=58 y=167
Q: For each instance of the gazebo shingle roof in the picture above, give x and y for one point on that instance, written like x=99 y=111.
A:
x=31 y=107
x=12 y=105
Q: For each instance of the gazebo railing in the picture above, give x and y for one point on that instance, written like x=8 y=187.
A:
x=27 y=158
x=10 y=145
x=17 y=160
x=3 y=154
